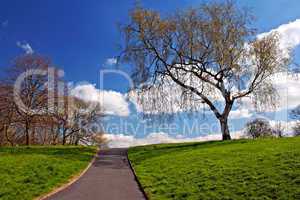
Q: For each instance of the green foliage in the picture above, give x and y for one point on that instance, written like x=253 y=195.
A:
x=28 y=172
x=242 y=169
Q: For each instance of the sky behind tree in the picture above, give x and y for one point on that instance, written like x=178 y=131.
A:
x=82 y=37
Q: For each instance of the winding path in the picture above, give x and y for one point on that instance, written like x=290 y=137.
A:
x=109 y=178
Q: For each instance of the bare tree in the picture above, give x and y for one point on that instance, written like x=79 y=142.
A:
x=295 y=114
x=7 y=114
x=36 y=110
x=75 y=118
x=32 y=92
x=207 y=55
x=259 y=128
x=296 y=129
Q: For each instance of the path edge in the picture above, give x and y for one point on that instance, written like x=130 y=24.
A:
x=72 y=180
x=136 y=178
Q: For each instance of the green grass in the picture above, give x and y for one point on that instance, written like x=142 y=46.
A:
x=28 y=172
x=242 y=169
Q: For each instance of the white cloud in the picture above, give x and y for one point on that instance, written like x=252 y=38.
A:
x=26 y=47
x=171 y=98
x=240 y=113
x=112 y=102
x=287 y=127
x=289 y=34
x=288 y=87
x=120 y=140
x=111 y=61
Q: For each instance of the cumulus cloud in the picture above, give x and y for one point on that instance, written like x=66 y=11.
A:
x=122 y=141
x=240 y=113
x=288 y=87
x=288 y=90
x=287 y=127
x=111 y=61
x=171 y=98
x=112 y=102
x=26 y=47
x=289 y=34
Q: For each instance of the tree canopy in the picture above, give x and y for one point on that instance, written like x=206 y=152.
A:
x=208 y=55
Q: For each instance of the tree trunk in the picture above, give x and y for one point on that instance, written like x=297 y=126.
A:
x=11 y=142
x=27 y=133
x=224 y=121
x=64 y=139
x=225 y=129
x=64 y=136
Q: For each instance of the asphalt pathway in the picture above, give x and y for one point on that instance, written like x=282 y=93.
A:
x=109 y=178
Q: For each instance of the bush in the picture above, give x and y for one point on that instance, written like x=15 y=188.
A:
x=259 y=128
x=296 y=129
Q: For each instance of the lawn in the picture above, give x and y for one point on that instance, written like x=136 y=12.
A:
x=28 y=172
x=242 y=169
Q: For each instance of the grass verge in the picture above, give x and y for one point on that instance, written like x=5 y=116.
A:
x=28 y=172
x=242 y=169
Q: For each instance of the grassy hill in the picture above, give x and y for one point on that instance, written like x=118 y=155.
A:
x=242 y=169
x=28 y=172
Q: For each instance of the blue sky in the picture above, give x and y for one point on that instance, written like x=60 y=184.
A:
x=79 y=36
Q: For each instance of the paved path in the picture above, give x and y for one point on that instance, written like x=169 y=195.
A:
x=109 y=178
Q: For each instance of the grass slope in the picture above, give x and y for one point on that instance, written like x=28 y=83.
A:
x=28 y=172
x=242 y=169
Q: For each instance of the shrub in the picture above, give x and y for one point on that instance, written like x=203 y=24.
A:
x=258 y=128
x=296 y=129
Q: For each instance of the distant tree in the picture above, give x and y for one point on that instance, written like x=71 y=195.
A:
x=278 y=130
x=296 y=129
x=84 y=117
x=35 y=110
x=32 y=92
x=210 y=53
x=75 y=118
x=295 y=114
x=7 y=114
x=258 y=128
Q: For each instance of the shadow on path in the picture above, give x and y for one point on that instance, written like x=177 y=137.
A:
x=109 y=178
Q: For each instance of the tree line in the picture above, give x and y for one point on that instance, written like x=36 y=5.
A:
x=34 y=111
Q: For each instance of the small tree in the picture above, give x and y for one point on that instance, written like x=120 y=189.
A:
x=296 y=129
x=258 y=128
x=75 y=119
x=203 y=56
x=295 y=114
x=32 y=92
